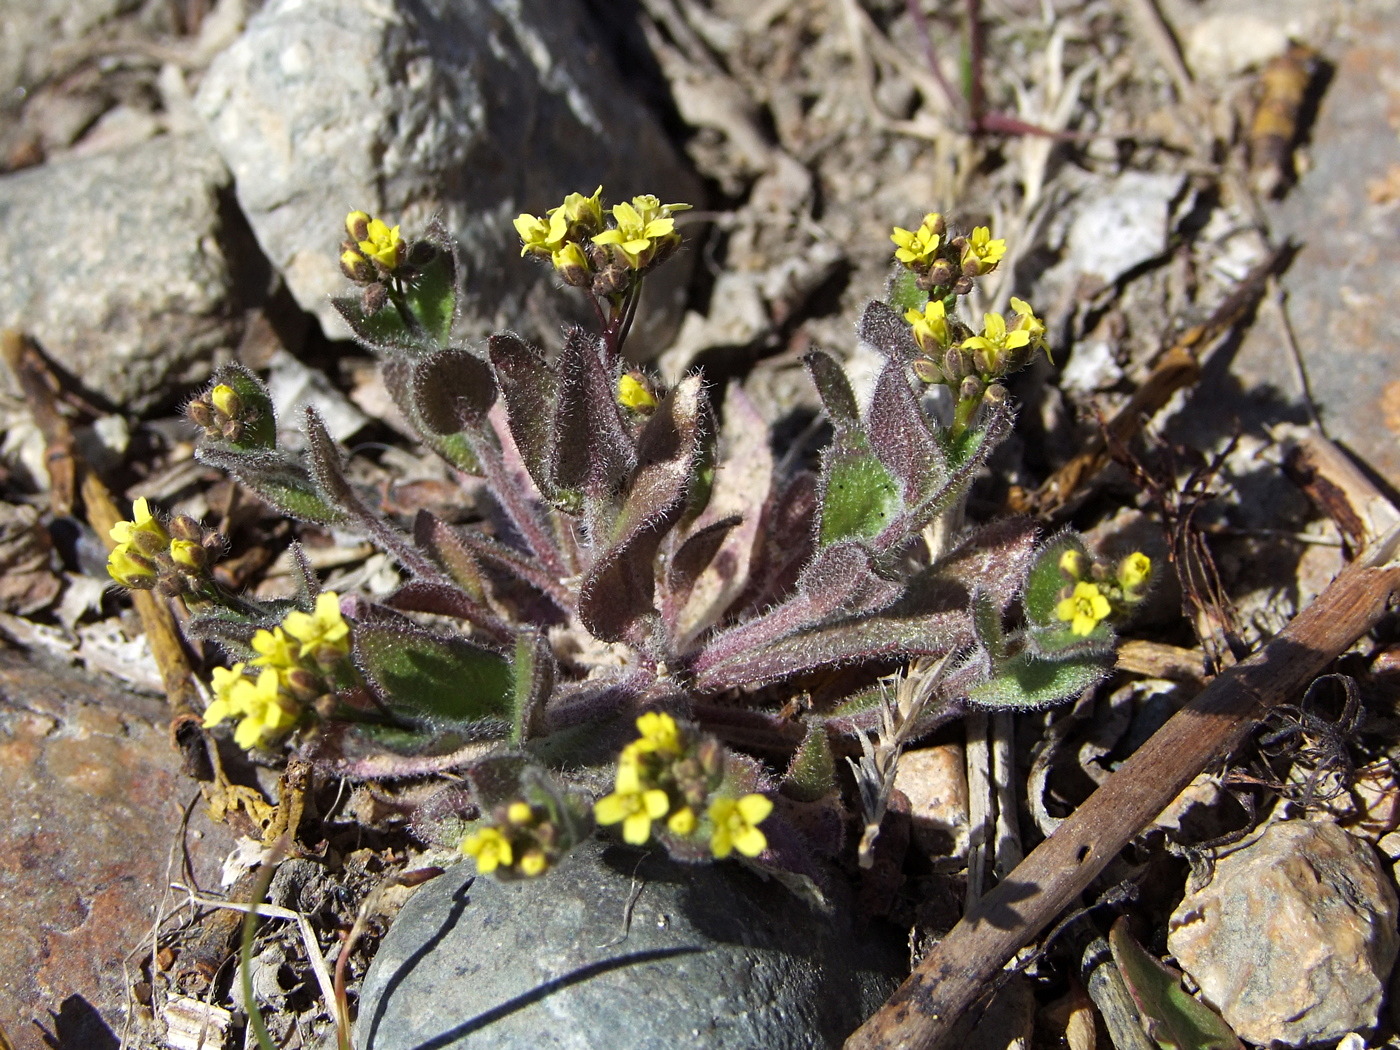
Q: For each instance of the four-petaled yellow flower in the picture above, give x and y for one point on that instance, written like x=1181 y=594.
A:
x=632 y=805
x=144 y=531
x=915 y=248
x=583 y=212
x=382 y=244
x=659 y=733
x=736 y=825
x=930 y=326
x=1026 y=321
x=324 y=635
x=982 y=253
x=1134 y=571
x=265 y=712
x=1084 y=609
x=275 y=649
x=995 y=344
x=541 y=236
x=643 y=226
x=490 y=848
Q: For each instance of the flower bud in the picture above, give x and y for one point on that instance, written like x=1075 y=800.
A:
x=200 y=413
x=356 y=267
x=962 y=285
x=189 y=556
x=374 y=298
x=357 y=225
x=927 y=371
x=941 y=274
x=970 y=388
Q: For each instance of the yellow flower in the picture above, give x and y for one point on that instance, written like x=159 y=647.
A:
x=632 y=394
x=143 y=532
x=189 y=555
x=490 y=848
x=995 y=345
x=541 y=236
x=266 y=713
x=274 y=649
x=533 y=863
x=581 y=211
x=659 y=733
x=736 y=825
x=915 y=248
x=324 y=635
x=643 y=226
x=226 y=400
x=382 y=244
x=982 y=253
x=1134 y=571
x=130 y=569
x=1026 y=321
x=1073 y=564
x=930 y=326
x=1084 y=609
x=683 y=821
x=632 y=805
x=571 y=263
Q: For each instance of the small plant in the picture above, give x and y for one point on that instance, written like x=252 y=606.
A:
x=649 y=587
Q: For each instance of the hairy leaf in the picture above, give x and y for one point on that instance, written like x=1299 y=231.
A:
x=615 y=601
x=899 y=435
x=591 y=451
x=859 y=496
x=1028 y=682
x=1046 y=581
x=444 y=599
x=834 y=389
x=533 y=670
x=530 y=389
x=812 y=773
x=284 y=485
x=434 y=677
x=883 y=328
x=261 y=433
x=452 y=391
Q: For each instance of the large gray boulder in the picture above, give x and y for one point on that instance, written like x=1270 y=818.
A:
x=619 y=949
x=473 y=109
x=118 y=265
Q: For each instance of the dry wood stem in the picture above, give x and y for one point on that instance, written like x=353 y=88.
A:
x=952 y=978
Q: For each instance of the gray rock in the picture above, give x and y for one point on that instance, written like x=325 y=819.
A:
x=620 y=949
x=1120 y=229
x=1294 y=937
x=118 y=265
x=473 y=109
x=35 y=29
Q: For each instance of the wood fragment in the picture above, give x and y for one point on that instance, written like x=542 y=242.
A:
x=1339 y=488
x=952 y=978
x=40 y=389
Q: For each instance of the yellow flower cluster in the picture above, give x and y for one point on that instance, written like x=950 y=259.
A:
x=172 y=558
x=374 y=248
x=668 y=773
x=1087 y=602
x=520 y=844
x=293 y=662
x=577 y=240
x=139 y=541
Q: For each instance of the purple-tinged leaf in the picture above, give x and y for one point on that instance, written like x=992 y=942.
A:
x=840 y=582
x=530 y=389
x=518 y=565
x=591 y=450
x=329 y=473
x=899 y=435
x=534 y=671
x=452 y=391
x=444 y=599
x=441 y=542
x=884 y=330
x=785 y=542
x=615 y=600
x=834 y=389
x=695 y=602
x=283 y=485
x=367 y=752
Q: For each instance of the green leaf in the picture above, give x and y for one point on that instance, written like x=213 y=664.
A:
x=812 y=772
x=431 y=297
x=1046 y=581
x=533 y=670
x=1174 y=1019
x=904 y=291
x=284 y=485
x=986 y=621
x=431 y=676
x=859 y=496
x=1028 y=682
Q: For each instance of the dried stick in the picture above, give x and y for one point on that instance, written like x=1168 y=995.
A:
x=953 y=977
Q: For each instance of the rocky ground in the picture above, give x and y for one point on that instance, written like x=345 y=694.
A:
x=175 y=173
